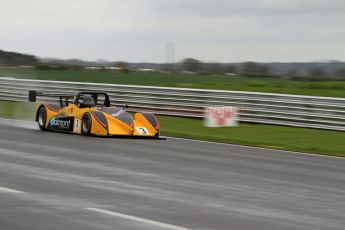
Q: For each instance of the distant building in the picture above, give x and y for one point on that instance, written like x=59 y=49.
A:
x=93 y=68
x=26 y=66
x=146 y=70
x=113 y=68
x=187 y=72
x=230 y=74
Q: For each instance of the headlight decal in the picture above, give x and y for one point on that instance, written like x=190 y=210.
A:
x=53 y=107
x=152 y=119
x=101 y=119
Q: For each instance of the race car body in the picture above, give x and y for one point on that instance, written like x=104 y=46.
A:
x=90 y=113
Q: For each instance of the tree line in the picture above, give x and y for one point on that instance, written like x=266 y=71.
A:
x=262 y=69
x=14 y=59
x=312 y=71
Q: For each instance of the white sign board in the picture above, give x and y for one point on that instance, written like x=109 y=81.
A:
x=221 y=116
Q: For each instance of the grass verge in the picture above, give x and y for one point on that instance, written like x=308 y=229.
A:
x=268 y=136
x=17 y=110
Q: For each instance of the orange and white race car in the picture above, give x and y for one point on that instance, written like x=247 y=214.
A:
x=90 y=113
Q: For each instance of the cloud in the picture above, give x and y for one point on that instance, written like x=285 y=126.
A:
x=137 y=30
x=224 y=8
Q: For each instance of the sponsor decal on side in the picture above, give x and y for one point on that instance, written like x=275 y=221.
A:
x=61 y=123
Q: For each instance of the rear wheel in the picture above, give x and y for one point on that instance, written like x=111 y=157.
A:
x=86 y=124
x=42 y=118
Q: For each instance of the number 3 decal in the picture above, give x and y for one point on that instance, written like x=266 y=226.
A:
x=142 y=131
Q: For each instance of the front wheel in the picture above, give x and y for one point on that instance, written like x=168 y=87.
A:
x=86 y=124
x=42 y=118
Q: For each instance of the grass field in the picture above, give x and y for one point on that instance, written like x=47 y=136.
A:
x=239 y=82
x=267 y=136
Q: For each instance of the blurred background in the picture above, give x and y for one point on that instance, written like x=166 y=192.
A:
x=285 y=47
x=253 y=45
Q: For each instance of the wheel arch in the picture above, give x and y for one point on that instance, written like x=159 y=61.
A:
x=89 y=130
x=51 y=111
x=38 y=109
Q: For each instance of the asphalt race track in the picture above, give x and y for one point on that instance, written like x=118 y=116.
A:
x=54 y=181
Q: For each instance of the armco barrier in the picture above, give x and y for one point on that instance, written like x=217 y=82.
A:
x=266 y=108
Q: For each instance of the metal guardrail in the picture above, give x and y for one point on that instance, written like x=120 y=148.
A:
x=266 y=108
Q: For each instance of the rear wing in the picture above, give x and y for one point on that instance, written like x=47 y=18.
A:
x=63 y=98
x=33 y=95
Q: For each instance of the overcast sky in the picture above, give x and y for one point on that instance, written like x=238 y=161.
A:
x=209 y=30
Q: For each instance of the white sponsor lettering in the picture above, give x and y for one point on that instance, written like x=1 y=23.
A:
x=117 y=113
x=60 y=123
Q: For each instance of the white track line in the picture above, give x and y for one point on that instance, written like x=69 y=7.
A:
x=9 y=190
x=253 y=147
x=138 y=219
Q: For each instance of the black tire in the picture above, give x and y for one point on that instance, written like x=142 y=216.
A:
x=42 y=117
x=86 y=124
